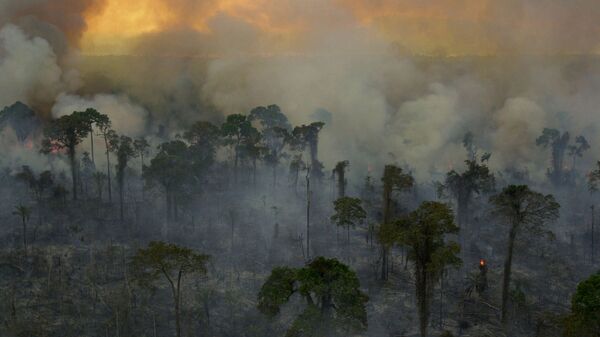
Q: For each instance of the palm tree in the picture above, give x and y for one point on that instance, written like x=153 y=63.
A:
x=525 y=209
x=23 y=212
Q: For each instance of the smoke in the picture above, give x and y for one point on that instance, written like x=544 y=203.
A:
x=357 y=60
x=29 y=68
x=127 y=117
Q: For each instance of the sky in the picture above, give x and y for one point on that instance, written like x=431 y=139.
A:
x=449 y=27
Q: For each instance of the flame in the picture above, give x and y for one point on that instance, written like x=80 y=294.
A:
x=482 y=262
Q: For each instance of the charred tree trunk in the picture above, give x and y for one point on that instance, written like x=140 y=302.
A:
x=507 y=272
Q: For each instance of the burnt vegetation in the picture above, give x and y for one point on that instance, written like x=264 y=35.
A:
x=233 y=228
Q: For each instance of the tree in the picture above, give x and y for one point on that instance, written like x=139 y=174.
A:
x=170 y=168
x=584 y=320
x=141 y=146
x=423 y=231
x=99 y=179
x=104 y=126
x=124 y=149
x=577 y=150
x=172 y=262
x=340 y=172
x=38 y=185
x=237 y=131
x=24 y=213
x=552 y=138
x=476 y=179
x=334 y=303
x=91 y=116
x=275 y=129
x=394 y=179
x=348 y=211
x=308 y=136
x=523 y=209
x=66 y=132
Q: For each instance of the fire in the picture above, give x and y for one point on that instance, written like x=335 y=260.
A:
x=482 y=262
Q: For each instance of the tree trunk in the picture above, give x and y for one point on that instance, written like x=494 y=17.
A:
x=121 y=199
x=507 y=272
x=308 y=214
x=422 y=299
x=24 y=234
x=108 y=169
x=92 y=144
x=73 y=171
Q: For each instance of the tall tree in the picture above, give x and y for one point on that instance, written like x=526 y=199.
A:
x=141 y=146
x=576 y=151
x=92 y=117
x=423 y=231
x=172 y=262
x=584 y=320
x=170 y=168
x=552 y=138
x=523 y=209
x=108 y=134
x=124 y=149
x=348 y=212
x=476 y=179
x=335 y=306
x=66 y=133
x=394 y=180
x=237 y=130
x=340 y=172
x=23 y=212
x=308 y=136
x=275 y=129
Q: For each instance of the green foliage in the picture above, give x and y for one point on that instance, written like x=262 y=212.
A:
x=584 y=320
x=424 y=231
x=204 y=138
x=270 y=117
x=170 y=167
x=523 y=207
x=348 y=211
x=331 y=290
x=395 y=179
x=65 y=132
x=277 y=290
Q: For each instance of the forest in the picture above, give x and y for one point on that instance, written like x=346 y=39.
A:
x=238 y=229
x=299 y=168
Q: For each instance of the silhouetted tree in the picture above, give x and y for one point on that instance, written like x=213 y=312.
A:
x=238 y=131
x=577 y=150
x=476 y=179
x=124 y=149
x=38 y=185
x=394 y=179
x=423 y=231
x=308 y=136
x=340 y=172
x=170 y=168
x=23 y=212
x=172 y=262
x=66 y=133
x=558 y=143
x=523 y=209
x=348 y=211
